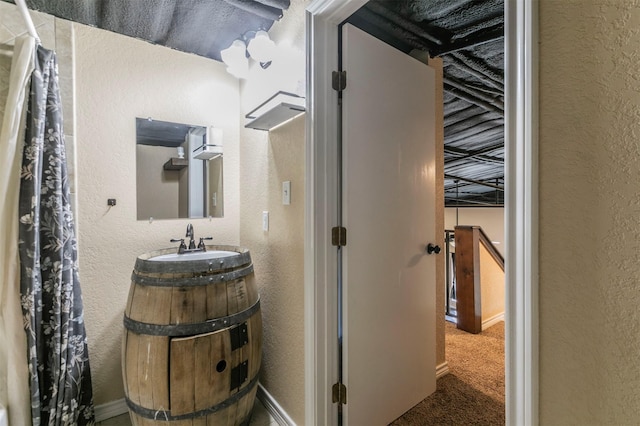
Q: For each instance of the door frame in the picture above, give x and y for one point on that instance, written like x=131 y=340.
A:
x=521 y=216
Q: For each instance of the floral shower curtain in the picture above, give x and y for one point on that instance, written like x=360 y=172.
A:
x=58 y=358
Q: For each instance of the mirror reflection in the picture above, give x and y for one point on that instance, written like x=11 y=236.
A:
x=178 y=170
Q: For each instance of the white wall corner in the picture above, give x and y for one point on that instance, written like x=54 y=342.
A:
x=442 y=370
x=111 y=409
x=272 y=406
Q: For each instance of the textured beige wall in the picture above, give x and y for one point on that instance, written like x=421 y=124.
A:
x=589 y=176
x=118 y=79
x=278 y=255
x=491 y=286
x=268 y=159
x=490 y=219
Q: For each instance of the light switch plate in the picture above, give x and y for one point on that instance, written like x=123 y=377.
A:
x=286 y=193
x=265 y=221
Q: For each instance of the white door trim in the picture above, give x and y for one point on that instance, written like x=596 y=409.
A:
x=321 y=371
x=521 y=143
x=323 y=17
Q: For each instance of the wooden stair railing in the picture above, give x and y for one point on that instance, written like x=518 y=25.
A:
x=468 y=290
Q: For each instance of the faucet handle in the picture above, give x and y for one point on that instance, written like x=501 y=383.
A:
x=201 y=244
x=182 y=247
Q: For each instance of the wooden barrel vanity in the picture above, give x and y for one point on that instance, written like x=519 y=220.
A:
x=192 y=344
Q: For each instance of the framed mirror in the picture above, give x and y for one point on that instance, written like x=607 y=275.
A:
x=179 y=170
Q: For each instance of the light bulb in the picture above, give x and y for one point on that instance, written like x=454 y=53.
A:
x=235 y=57
x=234 y=54
x=261 y=47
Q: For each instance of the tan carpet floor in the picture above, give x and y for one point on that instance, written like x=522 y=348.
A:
x=473 y=391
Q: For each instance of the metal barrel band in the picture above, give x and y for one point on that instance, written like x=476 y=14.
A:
x=191 y=281
x=182 y=330
x=179 y=266
x=160 y=414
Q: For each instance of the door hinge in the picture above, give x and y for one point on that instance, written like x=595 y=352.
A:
x=339 y=80
x=339 y=391
x=339 y=236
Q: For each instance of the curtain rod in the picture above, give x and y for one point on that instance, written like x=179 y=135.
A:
x=22 y=6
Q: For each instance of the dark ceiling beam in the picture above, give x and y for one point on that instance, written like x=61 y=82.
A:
x=434 y=10
x=474 y=92
x=399 y=33
x=463 y=202
x=471 y=67
x=88 y=12
x=472 y=121
x=480 y=132
x=278 y=4
x=257 y=9
x=486 y=89
x=453 y=115
x=469 y=97
x=474 y=158
x=404 y=23
x=132 y=19
x=467 y=155
x=460 y=187
x=478 y=69
x=472 y=41
x=479 y=27
x=477 y=182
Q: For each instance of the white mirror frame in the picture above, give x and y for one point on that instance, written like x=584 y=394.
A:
x=521 y=143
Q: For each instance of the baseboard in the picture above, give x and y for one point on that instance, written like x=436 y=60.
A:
x=442 y=370
x=110 y=409
x=492 y=321
x=272 y=406
x=119 y=407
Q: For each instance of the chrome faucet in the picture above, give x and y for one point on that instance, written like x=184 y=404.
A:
x=192 y=243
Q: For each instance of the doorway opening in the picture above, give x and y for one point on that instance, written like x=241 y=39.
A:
x=520 y=193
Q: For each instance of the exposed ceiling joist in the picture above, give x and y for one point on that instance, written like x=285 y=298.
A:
x=457 y=202
x=450 y=125
x=405 y=24
x=468 y=42
x=478 y=68
x=477 y=182
x=471 y=98
x=477 y=94
x=480 y=131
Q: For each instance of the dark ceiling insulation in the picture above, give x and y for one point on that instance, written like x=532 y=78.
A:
x=202 y=27
x=469 y=36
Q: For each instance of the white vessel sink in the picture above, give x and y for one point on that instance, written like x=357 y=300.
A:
x=200 y=255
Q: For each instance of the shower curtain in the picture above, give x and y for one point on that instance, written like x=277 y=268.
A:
x=14 y=372
x=58 y=358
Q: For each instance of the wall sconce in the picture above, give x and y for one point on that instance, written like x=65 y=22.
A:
x=260 y=47
x=235 y=58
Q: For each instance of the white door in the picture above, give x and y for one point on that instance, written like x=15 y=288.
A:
x=389 y=214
